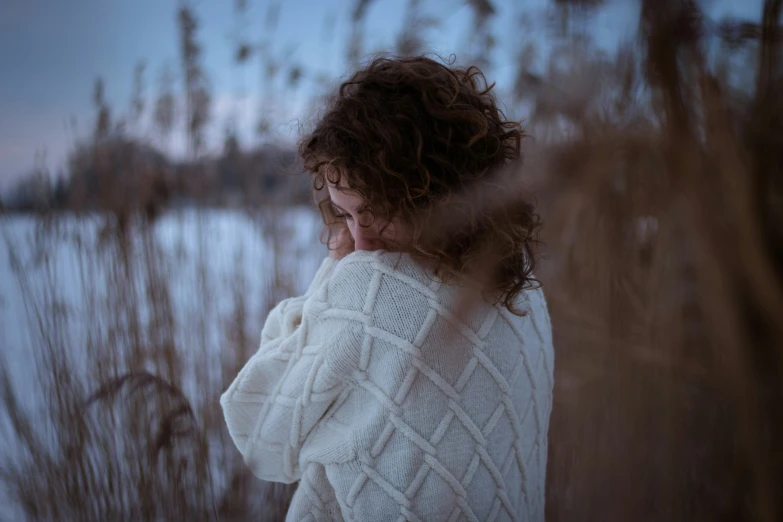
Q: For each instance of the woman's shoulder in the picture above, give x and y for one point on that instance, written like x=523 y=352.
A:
x=389 y=290
x=362 y=266
x=395 y=280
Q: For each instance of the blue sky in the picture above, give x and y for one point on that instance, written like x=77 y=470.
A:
x=51 y=52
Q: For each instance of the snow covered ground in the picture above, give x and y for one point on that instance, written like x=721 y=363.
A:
x=67 y=272
x=232 y=241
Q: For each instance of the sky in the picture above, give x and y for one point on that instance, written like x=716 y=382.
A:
x=52 y=51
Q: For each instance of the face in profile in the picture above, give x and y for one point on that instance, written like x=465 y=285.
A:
x=367 y=233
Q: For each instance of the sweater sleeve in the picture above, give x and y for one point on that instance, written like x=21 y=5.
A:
x=285 y=318
x=301 y=368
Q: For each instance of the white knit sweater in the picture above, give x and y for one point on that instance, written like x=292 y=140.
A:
x=388 y=399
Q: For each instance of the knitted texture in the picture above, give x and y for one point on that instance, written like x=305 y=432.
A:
x=389 y=399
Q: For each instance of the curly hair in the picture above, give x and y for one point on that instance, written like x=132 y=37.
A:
x=420 y=141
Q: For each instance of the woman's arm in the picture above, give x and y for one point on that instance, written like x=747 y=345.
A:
x=304 y=363
x=286 y=317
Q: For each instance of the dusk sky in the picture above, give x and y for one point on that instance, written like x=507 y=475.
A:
x=51 y=52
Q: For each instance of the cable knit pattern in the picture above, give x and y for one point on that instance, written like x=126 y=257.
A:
x=390 y=400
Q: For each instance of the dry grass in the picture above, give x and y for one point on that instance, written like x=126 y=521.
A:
x=665 y=284
x=659 y=183
x=132 y=428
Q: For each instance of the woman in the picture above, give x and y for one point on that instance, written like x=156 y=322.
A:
x=413 y=379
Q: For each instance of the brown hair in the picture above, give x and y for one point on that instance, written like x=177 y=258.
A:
x=419 y=140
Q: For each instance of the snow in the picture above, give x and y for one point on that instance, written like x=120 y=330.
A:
x=207 y=257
